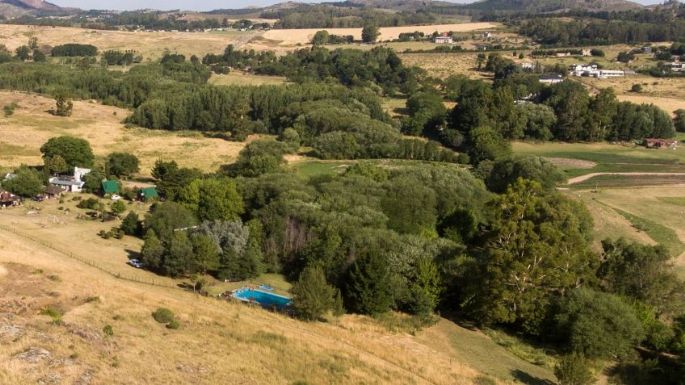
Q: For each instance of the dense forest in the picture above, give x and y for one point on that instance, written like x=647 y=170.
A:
x=666 y=23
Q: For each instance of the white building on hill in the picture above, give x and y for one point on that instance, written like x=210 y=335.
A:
x=591 y=70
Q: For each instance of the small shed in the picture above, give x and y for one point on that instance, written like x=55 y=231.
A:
x=53 y=191
x=148 y=194
x=660 y=143
x=110 y=187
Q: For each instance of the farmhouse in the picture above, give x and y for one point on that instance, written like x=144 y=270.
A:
x=676 y=66
x=71 y=183
x=8 y=199
x=551 y=79
x=443 y=39
x=591 y=70
x=148 y=194
x=660 y=143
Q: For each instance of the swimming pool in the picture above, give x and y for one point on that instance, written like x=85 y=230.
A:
x=268 y=300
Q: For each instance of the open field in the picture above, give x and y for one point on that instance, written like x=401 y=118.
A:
x=31 y=125
x=218 y=342
x=442 y=65
x=236 y=78
x=291 y=37
x=666 y=93
x=652 y=211
x=606 y=157
x=151 y=45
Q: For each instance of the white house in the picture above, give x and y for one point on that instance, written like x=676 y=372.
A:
x=443 y=38
x=71 y=183
x=551 y=79
x=591 y=70
x=611 y=74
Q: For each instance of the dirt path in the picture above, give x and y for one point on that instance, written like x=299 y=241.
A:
x=585 y=177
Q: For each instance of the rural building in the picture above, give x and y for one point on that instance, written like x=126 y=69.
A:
x=603 y=74
x=110 y=187
x=148 y=194
x=443 y=39
x=551 y=79
x=661 y=143
x=7 y=199
x=647 y=49
x=53 y=191
x=591 y=70
x=71 y=183
x=676 y=66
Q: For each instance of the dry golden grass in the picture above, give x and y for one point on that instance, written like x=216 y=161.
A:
x=218 y=342
x=442 y=65
x=150 y=44
x=291 y=37
x=643 y=202
x=236 y=78
x=666 y=93
x=31 y=125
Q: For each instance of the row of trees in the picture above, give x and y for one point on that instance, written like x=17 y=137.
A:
x=555 y=32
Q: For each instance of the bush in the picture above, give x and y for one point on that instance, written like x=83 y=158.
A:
x=89 y=204
x=54 y=313
x=313 y=297
x=118 y=207
x=173 y=325
x=131 y=224
x=8 y=109
x=574 y=369
x=108 y=330
x=636 y=88
x=163 y=315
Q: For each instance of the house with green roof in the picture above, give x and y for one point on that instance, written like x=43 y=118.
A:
x=148 y=194
x=110 y=187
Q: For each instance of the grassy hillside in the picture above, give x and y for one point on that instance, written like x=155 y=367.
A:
x=31 y=125
x=56 y=309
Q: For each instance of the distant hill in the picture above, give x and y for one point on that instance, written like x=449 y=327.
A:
x=15 y=8
x=542 y=6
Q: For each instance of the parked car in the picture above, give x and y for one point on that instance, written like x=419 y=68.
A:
x=138 y=264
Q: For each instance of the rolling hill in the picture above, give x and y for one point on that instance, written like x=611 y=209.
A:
x=550 y=5
x=15 y=8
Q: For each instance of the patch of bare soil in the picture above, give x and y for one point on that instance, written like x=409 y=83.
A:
x=571 y=163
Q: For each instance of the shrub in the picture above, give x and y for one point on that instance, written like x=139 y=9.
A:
x=118 y=207
x=8 y=109
x=173 y=325
x=108 y=330
x=90 y=204
x=636 y=88
x=54 y=313
x=163 y=315
x=574 y=369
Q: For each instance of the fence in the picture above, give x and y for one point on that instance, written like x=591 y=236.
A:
x=87 y=261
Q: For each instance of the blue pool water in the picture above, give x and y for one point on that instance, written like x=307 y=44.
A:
x=265 y=299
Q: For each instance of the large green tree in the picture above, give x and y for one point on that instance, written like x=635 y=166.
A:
x=598 y=325
x=368 y=288
x=26 y=182
x=76 y=152
x=213 y=199
x=313 y=297
x=122 y=164
x=536 y=247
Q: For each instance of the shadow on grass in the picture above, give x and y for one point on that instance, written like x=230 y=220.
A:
x=528 y=379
